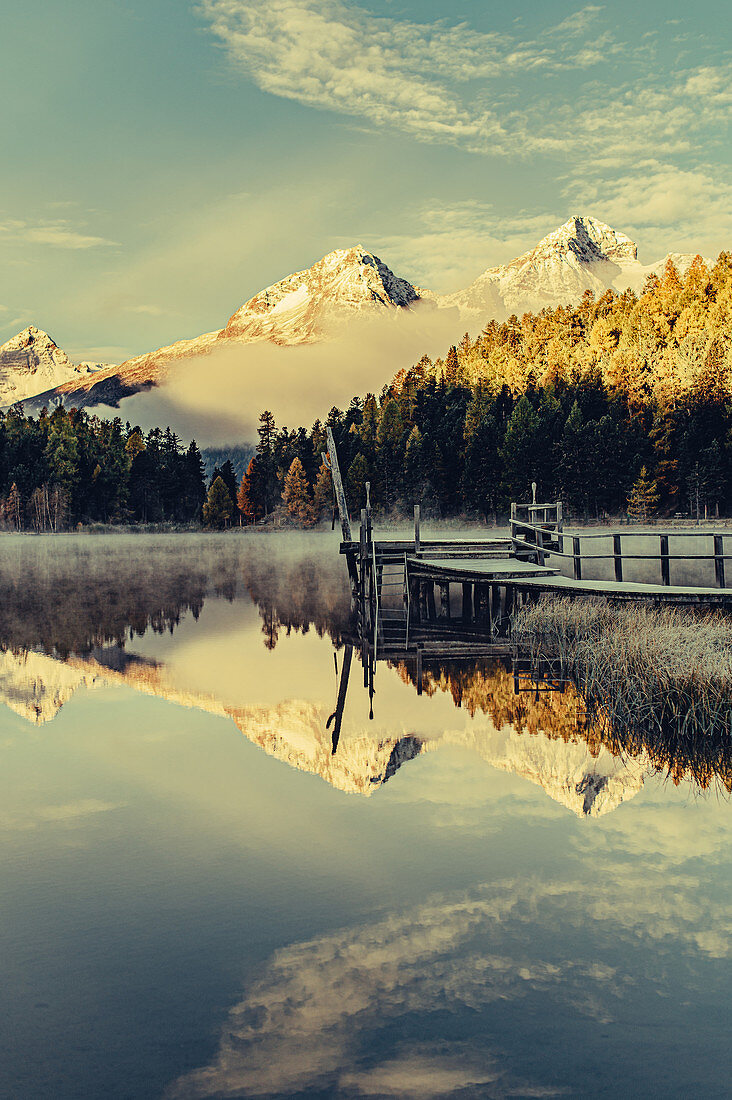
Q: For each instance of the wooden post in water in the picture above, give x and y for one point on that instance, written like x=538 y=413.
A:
x=467 y=601
x=416 y=528
x=577 y=558
x=618 y=558
x=719 y=560
x=419 y=670
x=431 y=609
x=665 y=569
x=445 y=601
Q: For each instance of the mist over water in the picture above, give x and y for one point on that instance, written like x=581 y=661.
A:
x=479 y=894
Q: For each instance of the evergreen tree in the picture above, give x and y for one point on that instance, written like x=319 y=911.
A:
x=323 y=492
x=296 y=495
x=482 y=473
x=193 y=487
x=391 y=454
x=218 y=508
x=520 y=451
x=355 y=486
x=229 y=479
x=643 y=499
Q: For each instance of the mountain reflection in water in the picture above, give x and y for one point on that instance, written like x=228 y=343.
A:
x=516 y=902
x=77 y=616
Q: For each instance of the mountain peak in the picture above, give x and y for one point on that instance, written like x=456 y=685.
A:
x=36 y=337
x=298 y=309
x=590 y=240
x=31 y=362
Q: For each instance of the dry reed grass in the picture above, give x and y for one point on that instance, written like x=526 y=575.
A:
x=654 y=680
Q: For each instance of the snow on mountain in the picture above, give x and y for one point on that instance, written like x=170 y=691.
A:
x=300 y=309
x=583 y=254
x=32 y=362
x=36 y=686
x=588 y=785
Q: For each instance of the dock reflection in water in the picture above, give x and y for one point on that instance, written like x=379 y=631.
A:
x=524 y=904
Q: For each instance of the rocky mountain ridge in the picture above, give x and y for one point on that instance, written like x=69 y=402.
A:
x=31 y=362
x=307 y=306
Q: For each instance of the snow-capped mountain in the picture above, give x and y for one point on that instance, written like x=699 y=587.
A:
x=32 y=362
x=583 y=254
x=300 y=309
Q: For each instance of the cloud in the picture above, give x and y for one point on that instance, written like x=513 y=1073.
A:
x=313 y=1009
x=57 y=234
x=66 y=813
x=336 y=56
x=457 y=85
x=325 y=1014
x=218 y=397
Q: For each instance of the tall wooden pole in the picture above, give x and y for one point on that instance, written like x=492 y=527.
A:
x=338 y=486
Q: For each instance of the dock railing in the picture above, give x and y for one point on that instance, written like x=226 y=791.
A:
x=538 y=526
x=544 y=540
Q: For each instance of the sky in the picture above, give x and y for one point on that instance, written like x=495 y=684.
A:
x=163 y=161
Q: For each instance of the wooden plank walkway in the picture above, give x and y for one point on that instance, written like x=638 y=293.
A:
x=629 y=590
x=500 y=570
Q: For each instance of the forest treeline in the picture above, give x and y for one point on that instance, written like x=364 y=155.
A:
x=67 y=467
x=620 y=403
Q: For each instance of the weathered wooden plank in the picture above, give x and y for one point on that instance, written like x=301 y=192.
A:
x=338 y=486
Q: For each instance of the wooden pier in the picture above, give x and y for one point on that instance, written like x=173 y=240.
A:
x=456 y=596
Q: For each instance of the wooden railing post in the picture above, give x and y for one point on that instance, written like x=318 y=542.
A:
x=618 y=557
x=719 y=560
x=416 y=528
x=577 y=558
x=665 y=566
x=513 y=519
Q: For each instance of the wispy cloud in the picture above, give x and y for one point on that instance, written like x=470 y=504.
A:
x=337 y=56
x=454 y=84
x=59 y=233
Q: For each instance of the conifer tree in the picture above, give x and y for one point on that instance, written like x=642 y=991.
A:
x=356 y=479
x=296 y=494
x=218 y=508
x=322 y=492
x=520 y=451
x=246 y=496
x=643 y=499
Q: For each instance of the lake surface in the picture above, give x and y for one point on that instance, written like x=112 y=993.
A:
x=199 y=899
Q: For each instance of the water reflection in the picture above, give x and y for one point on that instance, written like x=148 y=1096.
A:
x=78 y=615
x=509 y=902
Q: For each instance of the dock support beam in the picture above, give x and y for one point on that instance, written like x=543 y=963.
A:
x=719 y=560
x=618 y=558
x=665 y=567
x=467 y=601
x=577 y=557
x=444 y=601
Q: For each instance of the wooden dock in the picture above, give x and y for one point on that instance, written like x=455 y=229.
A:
x=404 y=590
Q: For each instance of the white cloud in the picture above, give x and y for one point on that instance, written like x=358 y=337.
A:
x=57 y=234
x=333 y=55
x=308 y=1018
x=420 y=78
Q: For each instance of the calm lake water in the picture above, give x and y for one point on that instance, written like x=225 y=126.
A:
x=200 y=900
